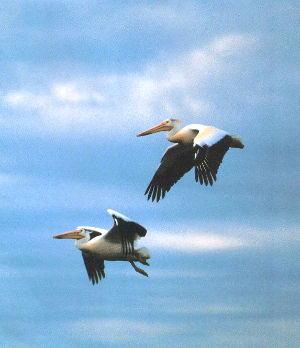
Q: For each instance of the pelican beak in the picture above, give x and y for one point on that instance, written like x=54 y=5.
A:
x=159 y=128
x=69 y=235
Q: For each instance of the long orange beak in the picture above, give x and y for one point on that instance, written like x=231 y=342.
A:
x=69 y=235
x=159 y=128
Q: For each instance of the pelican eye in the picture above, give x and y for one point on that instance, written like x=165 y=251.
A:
x=94 y=234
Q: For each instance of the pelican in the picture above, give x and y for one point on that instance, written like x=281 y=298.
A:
x=117 y=244
x=199 y=146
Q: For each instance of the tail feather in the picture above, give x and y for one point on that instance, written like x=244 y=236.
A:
x=144 y=253
x=237 y=142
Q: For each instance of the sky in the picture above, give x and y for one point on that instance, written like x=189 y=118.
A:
x=78 y=81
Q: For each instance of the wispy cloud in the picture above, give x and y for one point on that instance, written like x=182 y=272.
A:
x=38 y=194
x=209 y=309
x=120 y=330
x=233 y=44
x=169 y=86
x=192 y=242
x=258 y=333
x=195 y=306
x=216 y=237
x=168 y=273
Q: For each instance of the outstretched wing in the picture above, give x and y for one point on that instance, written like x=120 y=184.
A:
x=124 y=231
x=177 y=160
x=94 y=267
x=210 y=147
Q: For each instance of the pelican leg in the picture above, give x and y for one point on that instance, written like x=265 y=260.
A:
x=137 y=269
x=140 y=258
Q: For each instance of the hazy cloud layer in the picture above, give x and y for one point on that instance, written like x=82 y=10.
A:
x=174 y=86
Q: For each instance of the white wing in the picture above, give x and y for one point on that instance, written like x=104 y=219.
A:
x=117 y=215
x=209 y=136
x=210 y=145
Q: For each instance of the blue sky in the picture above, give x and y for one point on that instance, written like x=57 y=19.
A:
x=78 y=81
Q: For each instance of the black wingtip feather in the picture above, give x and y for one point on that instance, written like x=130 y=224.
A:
x=203 y=171
x=154 y=193
x=200 y=176
x=210 y=178
x=158 y=194
x=151 y=190
x=148 y=188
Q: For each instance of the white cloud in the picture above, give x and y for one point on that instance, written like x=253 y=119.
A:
x=170 y=86
x=192 y=242
x=17 y=98
x=177 y=83
x=72 y=93
x=232 y=44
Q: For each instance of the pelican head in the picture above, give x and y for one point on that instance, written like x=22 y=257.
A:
x=167 y=125
x=82 y=234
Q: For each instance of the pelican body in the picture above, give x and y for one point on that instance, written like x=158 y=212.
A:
x=117 y=244
x=196 y=145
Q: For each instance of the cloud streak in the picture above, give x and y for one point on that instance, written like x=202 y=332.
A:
x=216 y=238
x=119 y=330
x=192 y=242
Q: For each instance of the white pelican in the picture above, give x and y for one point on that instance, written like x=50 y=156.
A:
x=199 y=146
x=117 y=244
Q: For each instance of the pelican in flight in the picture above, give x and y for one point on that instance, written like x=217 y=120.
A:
x=117 y=244
x=199 y=146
